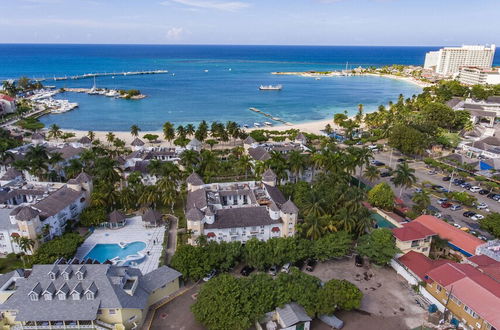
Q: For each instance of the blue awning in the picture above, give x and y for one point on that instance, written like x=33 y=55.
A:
x=484 y=166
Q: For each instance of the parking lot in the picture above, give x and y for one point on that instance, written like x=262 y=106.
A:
x=424 y=174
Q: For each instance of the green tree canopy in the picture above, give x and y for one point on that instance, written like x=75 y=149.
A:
x=381 y=196
x=491 y=223
x=379 y=246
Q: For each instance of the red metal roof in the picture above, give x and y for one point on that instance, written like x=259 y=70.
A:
x=211 y=234
x=412 y=231
x=419 y=264
x=7 y=98
x=482 y=260
x=455 y=236
x=275 y=229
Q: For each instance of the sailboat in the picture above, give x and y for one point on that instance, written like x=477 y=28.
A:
x=93 y=90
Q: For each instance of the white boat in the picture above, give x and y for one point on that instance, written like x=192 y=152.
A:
x=256 y=124
x=271 y=87
x=318 y=78
x=268 y=123
x=206 y=70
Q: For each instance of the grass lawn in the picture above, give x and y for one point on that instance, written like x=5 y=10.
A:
x=10 y=262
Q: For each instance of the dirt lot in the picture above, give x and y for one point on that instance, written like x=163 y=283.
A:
x=387 y=297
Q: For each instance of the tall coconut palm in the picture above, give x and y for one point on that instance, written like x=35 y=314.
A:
x=110 y=137
x=190 y=159
x=314 y=204
x=422 y=200
x=404 y=177
x=91 y=135
x=245 y=164
x=190 y=129
x=134 y=130
x=345 y=219
x=149 y=197
x=181 y=131
x=313 y=227
x=54 y=132
x=359 y=114
x=296 y=163
x=371 y=173
x=168 y=131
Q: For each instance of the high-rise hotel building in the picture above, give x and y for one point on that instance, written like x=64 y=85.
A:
x=447 y=61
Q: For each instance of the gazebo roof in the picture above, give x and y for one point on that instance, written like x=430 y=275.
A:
x=116 y=217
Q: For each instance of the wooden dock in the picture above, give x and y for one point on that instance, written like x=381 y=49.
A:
x=268 y=115
x=102 y=74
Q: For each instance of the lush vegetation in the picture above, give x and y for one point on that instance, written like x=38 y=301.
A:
x=64 y=246
x=491 y=223
x=382 y=196
x=379 y=246
x=194 y=262
x=245 y=300
x=22 y=85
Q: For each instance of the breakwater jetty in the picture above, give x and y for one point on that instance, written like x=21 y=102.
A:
x=268 y=115
x=102 y=74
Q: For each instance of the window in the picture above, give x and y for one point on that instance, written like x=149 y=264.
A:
x=245 y=199
x=33 y=296
x=61 y=296
x=75 y=296
x=469 y=311
x=89 y=295
x=415 y=243
x=455 y=300
x=438 y=288
x=52 y=276
x=79 y=276
x=65 y=276
x=424 y=249
x=112 y=311
x=47 y=296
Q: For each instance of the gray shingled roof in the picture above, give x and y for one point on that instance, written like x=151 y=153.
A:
x=301 y=137
x=242 y=217
x=292 y=314
x=275 y=194
x=38 y=136
x=249 y=140
x=85 y=140
x=268 y=175
x=137 y=143
x=83 y=177
x=11 y=174
x=195 y=179
x=289 y=207
x=116 y=217
x=493 y=99
x=194 y=215
x=259 y=153
x=67 y=152
x=57 y=201
x=274 y=207
x=194 y=143
x=26 y=213
x=104 y=280
x=196 y=199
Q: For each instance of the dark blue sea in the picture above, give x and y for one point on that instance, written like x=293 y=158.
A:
x=213 y=83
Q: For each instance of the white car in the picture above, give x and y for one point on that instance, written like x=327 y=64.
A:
x=457 y=225
x=482 y=206
x=477 y=217
x=475 y=189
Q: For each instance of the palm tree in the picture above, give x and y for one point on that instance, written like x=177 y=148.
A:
x=149 y=197
x=245 y=164
x=404 y=177
x=296 y=163
x=55 y=132
x=359 y=115
x=168 y=131
x=91 y=135
x=345 y=219
x=167 y=191
x=55 y=162
x=422 y=200
x=190 y=159
x=371 y=173
x=134 y=130
x=313 y=204
x=181 y=131
x=190 y=129
x=110 y=137
x=74 y=168
x=313 y=227
x=202 y=131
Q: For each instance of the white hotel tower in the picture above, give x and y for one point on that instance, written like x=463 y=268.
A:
x=447 y=61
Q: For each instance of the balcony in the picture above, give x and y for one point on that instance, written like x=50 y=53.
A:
x=97 y=325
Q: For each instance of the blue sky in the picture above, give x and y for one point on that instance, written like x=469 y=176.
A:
x=276 y=22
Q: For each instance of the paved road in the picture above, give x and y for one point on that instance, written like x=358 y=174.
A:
x=423 y=175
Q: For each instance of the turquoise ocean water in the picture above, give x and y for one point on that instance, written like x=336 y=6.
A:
x=224 y=92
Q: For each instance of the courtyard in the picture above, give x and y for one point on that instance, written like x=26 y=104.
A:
x=147 y=243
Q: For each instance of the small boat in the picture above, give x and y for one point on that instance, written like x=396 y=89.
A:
x=271 y=87
x=206 y=70
x=318 y=78
x=230 y=69
x=256 y=124
x=245 y=126
x=268 y=123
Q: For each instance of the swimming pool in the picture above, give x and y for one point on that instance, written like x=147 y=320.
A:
x=103 y=252
x=381 y=222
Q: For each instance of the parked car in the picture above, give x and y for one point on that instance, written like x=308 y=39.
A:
x=484 y=192
x=442 y=200
x=446 y=205
x=465 y=229
x=475 y=189
x=481 y=206
x=437 y=187
x=418 y=190
x=286 y=268
x=273 y=270
x=299 y=264
x=496 y=197
x=458 y=182
x=477 y=217
x=310 y=263
x=469 y=214
x=447 y=178
x=378 y=163
x=210 y=275
x=457 y=225
x=482 y=238
x=358 y=260
x=247 y=270
x=466 y=185
x=432 y=172
x=491 y=195
x=385 y=174
x=401 y=160
x=456 y=207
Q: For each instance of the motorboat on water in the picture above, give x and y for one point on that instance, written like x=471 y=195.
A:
x=256 y=124
x=271 y=87
x=268 y=123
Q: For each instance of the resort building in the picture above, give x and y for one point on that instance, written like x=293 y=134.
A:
x=7 y=104
x=239 y=211
x=82 y=296
x=461 y=245
x=478 y=76
x=413 y=236
x=40 y=211
x=448 y=61
x=468 y=293
x=139 y=160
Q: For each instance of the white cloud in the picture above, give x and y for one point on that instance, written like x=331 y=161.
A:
x=218 y=5
x=175 y=33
